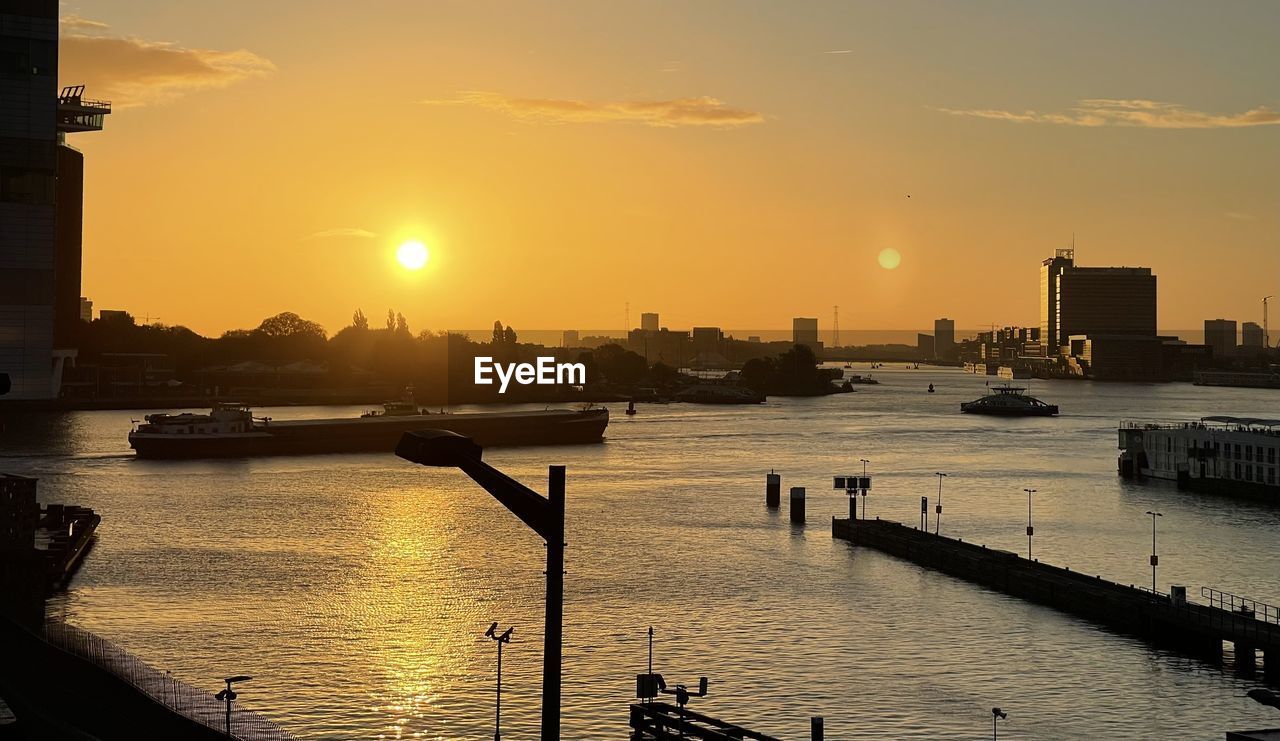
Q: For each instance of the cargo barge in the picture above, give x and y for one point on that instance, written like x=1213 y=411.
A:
x=231 y=431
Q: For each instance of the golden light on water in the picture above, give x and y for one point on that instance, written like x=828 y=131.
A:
x=412 y=254
x=889 y=258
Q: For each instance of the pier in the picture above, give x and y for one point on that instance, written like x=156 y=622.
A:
x=1168 y=619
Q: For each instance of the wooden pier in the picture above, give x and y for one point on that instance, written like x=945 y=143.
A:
x=1166 y=619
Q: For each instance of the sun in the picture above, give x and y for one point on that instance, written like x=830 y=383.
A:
x=889 y=258
x=412 y=254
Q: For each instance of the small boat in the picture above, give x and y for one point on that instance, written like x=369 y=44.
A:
x=931 y=388
x=631 y=408
x=1009 y=401
x=848 y=365
x=861 y=380
x=405 y=406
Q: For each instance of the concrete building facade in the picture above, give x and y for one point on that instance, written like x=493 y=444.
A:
x=804 y=331
x=1220 y=334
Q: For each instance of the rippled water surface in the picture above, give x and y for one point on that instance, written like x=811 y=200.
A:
x=356 y=588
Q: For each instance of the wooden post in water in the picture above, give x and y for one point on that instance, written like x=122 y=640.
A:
x=772 y=490
x=797 y=504
x=815 y=728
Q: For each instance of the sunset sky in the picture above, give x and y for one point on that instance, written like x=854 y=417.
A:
x=723 y=163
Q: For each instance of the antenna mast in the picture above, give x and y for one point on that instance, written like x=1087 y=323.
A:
x=835 y=328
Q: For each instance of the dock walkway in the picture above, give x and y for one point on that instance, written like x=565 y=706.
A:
x=1194 y=628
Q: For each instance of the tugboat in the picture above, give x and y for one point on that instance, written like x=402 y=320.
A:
x=1009 y=401
x=405 y=406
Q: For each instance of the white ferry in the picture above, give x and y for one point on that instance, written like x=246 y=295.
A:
x=1226 y=455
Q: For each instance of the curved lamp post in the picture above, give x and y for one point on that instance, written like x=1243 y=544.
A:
x=543 y=515
x=229 y=694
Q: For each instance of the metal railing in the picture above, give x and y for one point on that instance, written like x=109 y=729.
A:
x=180 y=697
x=1241 y=605
x=658 y=721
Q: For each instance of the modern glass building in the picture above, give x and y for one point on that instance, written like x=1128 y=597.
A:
x=1093 y=301
x=28 y=175
x=41 y=195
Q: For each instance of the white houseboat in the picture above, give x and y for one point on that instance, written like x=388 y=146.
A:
x=1227 y=455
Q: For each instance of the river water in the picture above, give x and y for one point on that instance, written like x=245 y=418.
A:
x=356 y=588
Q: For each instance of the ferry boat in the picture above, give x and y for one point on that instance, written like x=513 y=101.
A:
x=1009 y=401
x=230 y=430
x=1217 y=454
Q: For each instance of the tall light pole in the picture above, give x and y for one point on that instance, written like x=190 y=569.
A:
x=228 y=695
x=1030 y=530
x=864 y=463
x=1155 y=560
x=545 y=516
x=937 y=521
x=501 y=640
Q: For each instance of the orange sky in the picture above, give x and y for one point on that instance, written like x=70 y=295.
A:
x=732 y=164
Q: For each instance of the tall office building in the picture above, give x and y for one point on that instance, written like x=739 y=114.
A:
x=944 y=337
x=649 y=321
x=41 y=189
x=28 y=167
x=1251 y=336
x=804 y=331
x=1093 y=301
x=1220 y=334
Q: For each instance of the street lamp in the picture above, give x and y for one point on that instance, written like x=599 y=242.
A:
x=229 y=694
x=1030 y=530
x=505 y=638
x=545 y=516
x=996 y=715
x=1155 y=560
x=937 y=521
x=865 y=480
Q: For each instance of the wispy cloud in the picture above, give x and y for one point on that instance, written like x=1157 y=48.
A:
x=1238 y=215
x=343 y=231
x=701 y=111
x=132 y=72
x=839 y=51
x=1140 y=113
x=72 y=23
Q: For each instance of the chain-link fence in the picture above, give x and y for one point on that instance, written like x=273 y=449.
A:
x=163 y=687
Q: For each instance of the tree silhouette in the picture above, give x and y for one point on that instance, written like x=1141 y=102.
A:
x=289 y=324
x=359 y=320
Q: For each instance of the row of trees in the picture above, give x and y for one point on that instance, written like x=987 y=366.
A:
x=392 y=354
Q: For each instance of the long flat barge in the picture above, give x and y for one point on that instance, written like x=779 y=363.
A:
x=230 y=431
x=1197 y=629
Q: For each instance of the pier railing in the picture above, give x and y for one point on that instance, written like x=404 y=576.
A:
x=1241 y=605
x=660 y=721
x=176 y=695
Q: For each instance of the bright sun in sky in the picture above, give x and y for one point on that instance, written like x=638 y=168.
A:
x=412 y=254
x=889 y=258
